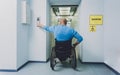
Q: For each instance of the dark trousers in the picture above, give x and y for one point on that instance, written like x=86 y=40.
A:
x=63 y=49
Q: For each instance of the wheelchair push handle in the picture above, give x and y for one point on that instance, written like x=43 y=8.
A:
x=73 y=45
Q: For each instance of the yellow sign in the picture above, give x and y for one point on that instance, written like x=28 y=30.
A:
x=92 y=28
x=96 y=20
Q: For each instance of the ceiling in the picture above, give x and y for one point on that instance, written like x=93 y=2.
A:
x=64 y=10
x=64 y=7
x=64 y=2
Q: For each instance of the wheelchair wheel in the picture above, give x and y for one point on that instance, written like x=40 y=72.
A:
x=52 y=58
x=73 y=59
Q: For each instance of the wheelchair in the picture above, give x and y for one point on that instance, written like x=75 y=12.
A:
x=63 y=50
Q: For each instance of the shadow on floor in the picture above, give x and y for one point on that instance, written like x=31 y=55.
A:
x=80 y=67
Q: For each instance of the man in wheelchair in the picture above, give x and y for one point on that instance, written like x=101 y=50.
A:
x=63 y=42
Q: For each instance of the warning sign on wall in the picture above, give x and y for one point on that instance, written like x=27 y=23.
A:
x=92 y=28
x=96 y=20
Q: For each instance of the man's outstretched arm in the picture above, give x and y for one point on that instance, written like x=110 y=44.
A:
x=47 y=28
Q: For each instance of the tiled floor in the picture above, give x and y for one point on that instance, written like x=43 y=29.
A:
x=44 y=69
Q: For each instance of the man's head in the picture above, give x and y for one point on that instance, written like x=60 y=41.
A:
x=63 y=21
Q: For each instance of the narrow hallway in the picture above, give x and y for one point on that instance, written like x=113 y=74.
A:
x=21 y=41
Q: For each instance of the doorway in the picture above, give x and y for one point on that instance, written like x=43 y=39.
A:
x=69 y=12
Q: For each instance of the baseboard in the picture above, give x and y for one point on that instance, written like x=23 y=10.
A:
x=90 y=62
x=32 y=61
x=22 y=66
x=113 y=70
x=117 y=73
x=8 y=70
x=13 y=70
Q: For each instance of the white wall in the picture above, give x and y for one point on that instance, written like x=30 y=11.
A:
x=92 y=45
x=38 y=43
x=48 y=22
x=8 y=43
x=22 y=37
x=75 y=24
x=111 y=33
x=13 y=36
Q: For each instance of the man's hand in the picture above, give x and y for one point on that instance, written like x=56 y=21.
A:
x=40 y=25
x=75 y=44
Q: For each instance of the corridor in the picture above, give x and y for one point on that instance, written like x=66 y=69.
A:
x=22 y=41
